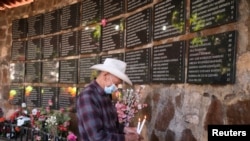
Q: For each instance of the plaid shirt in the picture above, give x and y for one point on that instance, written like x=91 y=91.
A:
x=97 y=117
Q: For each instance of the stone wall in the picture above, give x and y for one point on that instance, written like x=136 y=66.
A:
x=176 y=112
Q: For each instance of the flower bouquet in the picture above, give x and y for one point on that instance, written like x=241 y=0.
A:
x=53 y=122
x=128 y=104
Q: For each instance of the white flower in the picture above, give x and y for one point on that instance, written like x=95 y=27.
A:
x=51 y=121
x=34 y=112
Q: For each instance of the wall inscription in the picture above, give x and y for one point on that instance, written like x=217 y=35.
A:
x=212 y=59
x=168 y=63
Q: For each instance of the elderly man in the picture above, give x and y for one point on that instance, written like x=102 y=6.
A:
x=97 y=116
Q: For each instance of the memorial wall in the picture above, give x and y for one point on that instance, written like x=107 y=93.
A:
x=59 y=46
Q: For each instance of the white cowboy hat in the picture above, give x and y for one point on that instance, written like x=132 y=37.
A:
x=115 y=67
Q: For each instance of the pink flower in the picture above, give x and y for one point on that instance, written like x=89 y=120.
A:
x=71 y=137
x=62 y=110
x=38 y=138
x=50 y=102
x=104 y=22
x=47 y=109
x=128 y=105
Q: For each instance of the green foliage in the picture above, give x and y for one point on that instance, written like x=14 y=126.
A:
x=198 y=24
x=197 y=41
x=97 y=32
x=175 y=20
x=121 y=25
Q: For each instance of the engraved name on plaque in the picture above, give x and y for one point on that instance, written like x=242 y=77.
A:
x=17 y=72
x=69 y=44
x=50 y=71
x=35 y=25
x=113 y=8
x=138 y=28
x=33 y=72
x=119 y=56
x=49 y=94
x=168 y=63
x=70 y=16
x=113 y=35
x=84 y=68
x=212 y=61
x=169 y=19
x=34 y=49
x=51 y=47
x=91 y=11
x=211 y=13
x=16 y=95
x=18 y=50
x=19 y=28
x=33 y=96
x=68 y=71
x=89 y=43
x=138 y=65
x=51 y=22
x=134 y=4
x=67 y=97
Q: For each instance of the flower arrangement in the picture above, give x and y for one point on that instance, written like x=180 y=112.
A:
x=128 y=104
x=45 y=123
x=53 y=122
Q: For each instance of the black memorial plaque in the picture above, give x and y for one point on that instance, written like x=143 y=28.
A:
x=134 y=4
x=168 y=63
x=67 y=97
x=16 y=95
x=91 y=11
x=70 y=16
x=33 y=72
x=18 y=50
x=19 y=28
x=35 y=25
x=49 y=94
x=138 y=65
x=211 y=13
x=113 y=8
x=90 y=42
x=84 y=68
x=51 y=47
x=69 y=44
x=138 y=30
x=17 y=72
x=33 y=96
x=119 y=56
x=113 y=35
x=212 y=60
x=68 y=71
x=50 y=71
x=34 y=49
x=169 y=19
x=51 y=22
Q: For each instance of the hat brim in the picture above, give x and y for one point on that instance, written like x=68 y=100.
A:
x=113 y=71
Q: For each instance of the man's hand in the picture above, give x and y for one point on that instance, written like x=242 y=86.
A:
x=131 y=134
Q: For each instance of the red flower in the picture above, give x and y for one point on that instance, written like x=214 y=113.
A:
x=62 y=128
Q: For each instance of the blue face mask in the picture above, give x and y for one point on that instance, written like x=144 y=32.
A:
x=110 y=89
